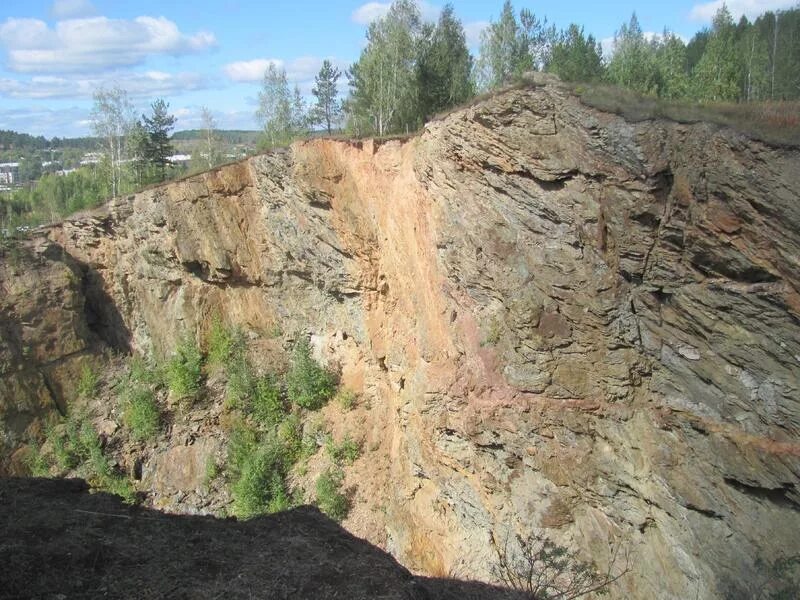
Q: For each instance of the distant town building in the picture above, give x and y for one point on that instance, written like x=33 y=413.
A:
x=9 y=173
x=91 y=158
x=176 y=159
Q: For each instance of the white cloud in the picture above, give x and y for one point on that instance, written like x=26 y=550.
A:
x=750 y=8
x=138 y=84
x=473 y=32
x=62 y=122
x=250 y=70
x=93 y=44
x=71 y=9
x=299 y=70
x=369 y=12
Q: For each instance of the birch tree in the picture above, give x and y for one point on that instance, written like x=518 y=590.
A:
x=383 y=81
x=112 y=117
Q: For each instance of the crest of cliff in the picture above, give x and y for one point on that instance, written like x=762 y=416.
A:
x=559 y=320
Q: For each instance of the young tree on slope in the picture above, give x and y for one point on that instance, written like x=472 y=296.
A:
x=212 y=155
x=327 y=110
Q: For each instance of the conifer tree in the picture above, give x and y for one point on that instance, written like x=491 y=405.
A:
x=327 y=110
x=158 y=127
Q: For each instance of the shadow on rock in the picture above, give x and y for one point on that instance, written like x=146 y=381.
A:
x=58 y=540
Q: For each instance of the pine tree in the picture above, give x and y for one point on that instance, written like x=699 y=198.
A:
x=575 y=57
x=672 y=65
x=716 y=77
x=158 y=127
x=327 y=110
x=633 y=63
x=444 y=65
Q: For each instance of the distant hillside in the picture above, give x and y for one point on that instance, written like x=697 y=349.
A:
x=12 y=140
x=230 y=136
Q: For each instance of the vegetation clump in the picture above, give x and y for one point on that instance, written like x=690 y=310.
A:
x=330 y=498
x=347 y=399
x=140 y=412
x=345 y=452
x=257 y=468
x=74 y=444
x=184 y=369
x=308 y=384
x=87 y=383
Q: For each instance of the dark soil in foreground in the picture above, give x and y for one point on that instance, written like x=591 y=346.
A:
x=58 y=541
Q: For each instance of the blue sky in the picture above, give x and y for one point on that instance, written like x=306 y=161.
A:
x=54 y=53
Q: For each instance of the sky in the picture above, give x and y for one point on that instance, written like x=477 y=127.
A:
x=55 y=53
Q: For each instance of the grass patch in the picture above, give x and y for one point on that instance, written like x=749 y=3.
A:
x=308 y=384
x=776 y=123
x=87 y=383
x=36 y=462
x=330 y=498
x=346 y=399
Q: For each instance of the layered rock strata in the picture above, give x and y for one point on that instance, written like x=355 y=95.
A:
x=562 y=321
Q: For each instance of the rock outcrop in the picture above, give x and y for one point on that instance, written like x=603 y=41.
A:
x=562 y=320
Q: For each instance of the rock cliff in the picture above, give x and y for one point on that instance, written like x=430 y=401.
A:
x=562 y=321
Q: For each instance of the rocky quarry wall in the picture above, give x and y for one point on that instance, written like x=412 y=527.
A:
x=563 y=321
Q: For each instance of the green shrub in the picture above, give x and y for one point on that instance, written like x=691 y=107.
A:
x=290 y=435
x=76 y=445
x=267 y=405
x=142 y=371
x=141 y=414
x=87 y=382
x=308 y=384
x=36 y=462
x=345 y=452
x=183 y=370
x=224 y=343
x=330 y=498
x=241 y=382
x=260 y=483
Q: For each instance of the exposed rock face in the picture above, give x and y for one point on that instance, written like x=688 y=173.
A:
x=563 y=320
x=45 y=339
